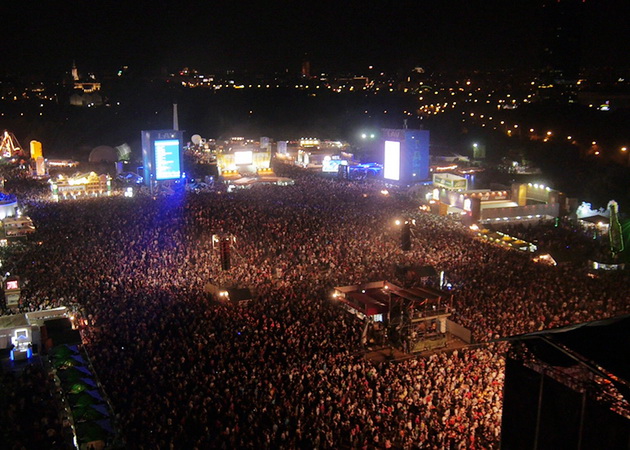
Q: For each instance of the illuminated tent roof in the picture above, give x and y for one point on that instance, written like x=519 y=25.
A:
x=596 y=219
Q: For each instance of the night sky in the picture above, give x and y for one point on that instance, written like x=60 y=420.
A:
x=44 y=37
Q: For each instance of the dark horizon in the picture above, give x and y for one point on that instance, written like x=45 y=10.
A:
x=276 y=36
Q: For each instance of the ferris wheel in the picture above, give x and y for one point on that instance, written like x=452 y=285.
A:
x=9 y=145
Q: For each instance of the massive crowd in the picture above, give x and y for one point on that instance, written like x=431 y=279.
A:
x=287 y=370
x=29 y=413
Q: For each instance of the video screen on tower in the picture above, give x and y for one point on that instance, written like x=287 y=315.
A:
x=331 y=165
x=391 y=171
x=167 y=159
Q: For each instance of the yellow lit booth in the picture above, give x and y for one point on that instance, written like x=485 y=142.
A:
x=80 y=186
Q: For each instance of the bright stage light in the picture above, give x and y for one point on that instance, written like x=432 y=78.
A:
x=243 y=158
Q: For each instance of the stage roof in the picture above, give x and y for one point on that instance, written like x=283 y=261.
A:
x=603 y=343
x=13 y=321
x=596 y=219
x=378 y=294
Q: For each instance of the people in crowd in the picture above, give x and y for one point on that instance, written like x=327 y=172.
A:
x=29 y=412
x=287 y=369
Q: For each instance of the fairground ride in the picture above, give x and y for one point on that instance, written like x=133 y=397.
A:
x=9 y=145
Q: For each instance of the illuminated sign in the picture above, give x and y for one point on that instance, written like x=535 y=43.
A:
x=393 y=133
x=392 y=161
x=167 y=159
x=309 y=142
x=450 y=181
x=243 y=158
x=13 y=284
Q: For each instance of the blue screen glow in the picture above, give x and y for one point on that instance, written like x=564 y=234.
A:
x=167 y=159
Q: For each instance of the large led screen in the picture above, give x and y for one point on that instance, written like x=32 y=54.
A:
x=244 y=158
x=391 y=171
x=331 y=165
x=167 y=159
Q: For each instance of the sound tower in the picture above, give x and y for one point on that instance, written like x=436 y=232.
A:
x=405 y=237
x=224 y=251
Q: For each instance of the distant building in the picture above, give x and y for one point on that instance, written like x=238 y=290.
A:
x=85 y=99
x=85 y=91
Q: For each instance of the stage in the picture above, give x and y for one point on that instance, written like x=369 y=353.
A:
x=379 y=355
